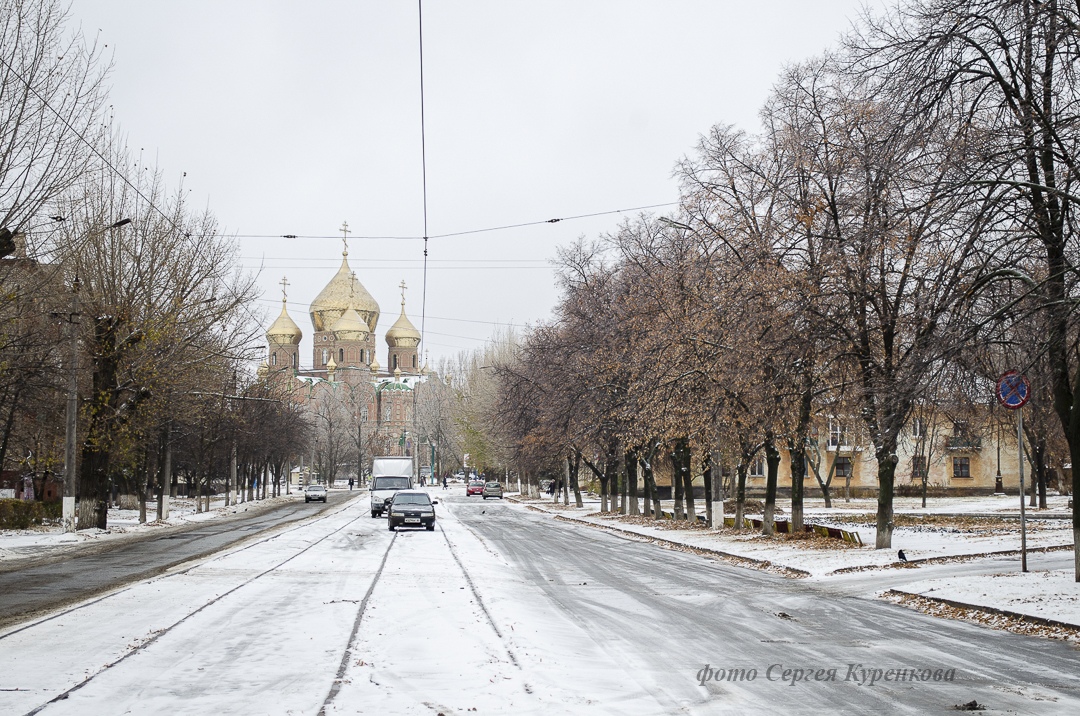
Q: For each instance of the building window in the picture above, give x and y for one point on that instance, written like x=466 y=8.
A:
x=341 y=355
x=387 y=413
x=273 y=359
x=295 y=359
x=837 y=434
x=843 y=467
x=918 y=467
x=393 y=359
x=918 y=428
x=757 y=467
x=414 y=361
x=961 y=467
x=325 y=356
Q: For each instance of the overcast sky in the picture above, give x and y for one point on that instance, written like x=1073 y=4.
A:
x=290 y=118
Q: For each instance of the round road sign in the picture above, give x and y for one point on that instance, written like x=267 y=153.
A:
x=1013 y=390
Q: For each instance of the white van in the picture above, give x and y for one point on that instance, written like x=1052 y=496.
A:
x=383 y=490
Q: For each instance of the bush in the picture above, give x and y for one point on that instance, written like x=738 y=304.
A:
x=20 y=514
x=914 y=489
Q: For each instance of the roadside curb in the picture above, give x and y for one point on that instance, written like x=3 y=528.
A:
x=735 y=559
x=1018 y=616
x=944 y=559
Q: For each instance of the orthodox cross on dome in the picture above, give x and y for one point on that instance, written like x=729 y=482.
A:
x=284 y=283
x=403 y=287
x=345 y=237
x=352 y=284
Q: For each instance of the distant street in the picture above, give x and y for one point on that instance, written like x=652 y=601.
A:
x=501 y=610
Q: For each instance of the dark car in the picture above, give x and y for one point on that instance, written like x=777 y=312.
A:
x=476 y=487
x=411 y=508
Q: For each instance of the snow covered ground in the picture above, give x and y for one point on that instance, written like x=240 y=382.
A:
x=51 y=539
x=1048 y=594
x=961 y=528
x=334 y=614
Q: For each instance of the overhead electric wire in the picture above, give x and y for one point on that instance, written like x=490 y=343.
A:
x=459 y=233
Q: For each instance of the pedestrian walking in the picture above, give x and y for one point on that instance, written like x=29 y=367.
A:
x=350 y=483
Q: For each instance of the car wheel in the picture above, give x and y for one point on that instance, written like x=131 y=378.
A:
x=374 y=514
x=390 y=527
x=431 y=527
x=306 y=500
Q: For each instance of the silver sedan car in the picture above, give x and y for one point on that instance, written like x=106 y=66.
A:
x=492 y=489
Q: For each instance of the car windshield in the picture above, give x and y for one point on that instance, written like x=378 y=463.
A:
x=315 y=487
x=391 y=483
x=493 y=484
x=476 y=482
x=412 y=500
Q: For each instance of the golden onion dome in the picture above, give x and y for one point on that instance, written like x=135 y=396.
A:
x=284 y=329
x=343 y=292
x=350 y=327
x=374 y=364
x=403 y=333
x=263 y=370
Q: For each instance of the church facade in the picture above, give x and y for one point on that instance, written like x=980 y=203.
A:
x=357 y=408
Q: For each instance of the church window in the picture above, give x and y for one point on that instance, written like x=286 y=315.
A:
x=341 y=355
x=387 y=414
x=273 y=359
x=325 y=356
x=295 y=359
x=414 y=361
x=393 y=359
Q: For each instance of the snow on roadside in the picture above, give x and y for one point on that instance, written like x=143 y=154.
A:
x=1051 y=594
x=51 y=539
x=823 y=557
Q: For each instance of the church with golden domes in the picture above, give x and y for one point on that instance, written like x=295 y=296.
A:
x=357 y=406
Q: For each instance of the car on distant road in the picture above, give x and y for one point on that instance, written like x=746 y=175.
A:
x=411 y=508
x=315 y=492
x=492 y=489
x=476 y=487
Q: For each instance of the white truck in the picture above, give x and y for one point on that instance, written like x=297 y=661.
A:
x=388 y=475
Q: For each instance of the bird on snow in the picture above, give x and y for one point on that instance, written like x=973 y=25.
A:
x=902 y=556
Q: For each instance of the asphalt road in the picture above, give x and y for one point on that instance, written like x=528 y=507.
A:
x=664 y=615
x=79 y=574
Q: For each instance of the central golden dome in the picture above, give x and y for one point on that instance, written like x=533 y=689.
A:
x=343 y=292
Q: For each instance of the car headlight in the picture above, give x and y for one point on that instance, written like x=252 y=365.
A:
x=397 y=514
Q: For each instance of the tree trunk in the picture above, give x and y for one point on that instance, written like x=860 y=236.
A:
x=772 y=463
x=740 y=491
x=886 y=477
x=632 y=481
x=677 y=485
x=574 y=479
x=688 y=483
x=708 y=478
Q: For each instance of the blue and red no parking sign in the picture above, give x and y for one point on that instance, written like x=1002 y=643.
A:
x=1013 y=390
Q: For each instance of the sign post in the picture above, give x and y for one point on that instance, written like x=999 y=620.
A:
x=1013 y=391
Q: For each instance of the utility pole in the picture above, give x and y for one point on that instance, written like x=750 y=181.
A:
x=72 y=411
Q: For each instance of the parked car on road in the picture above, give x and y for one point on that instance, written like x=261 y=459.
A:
x=411 y=508
x=476 y=487
x=315 y=492
x=492 y=489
